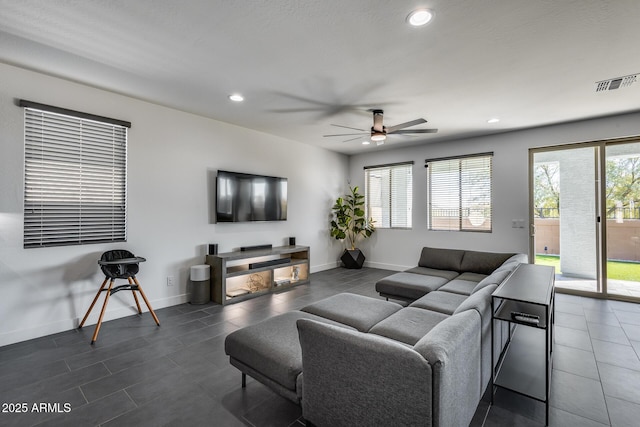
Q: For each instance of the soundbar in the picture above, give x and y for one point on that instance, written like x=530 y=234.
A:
x=269 y=263
x=252 y=248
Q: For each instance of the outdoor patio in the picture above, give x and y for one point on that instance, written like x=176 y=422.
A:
x=625 y=288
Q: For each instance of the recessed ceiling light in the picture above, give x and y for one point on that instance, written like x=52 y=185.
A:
x=236 y=97
x=365 y=142
x=420 y=17
x=494 y=120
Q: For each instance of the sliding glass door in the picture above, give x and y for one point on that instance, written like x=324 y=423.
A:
x=585 y=211
x=565 y=215
x=623 y=219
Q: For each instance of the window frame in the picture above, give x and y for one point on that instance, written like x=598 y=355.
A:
x=75 y=177
x=431 y=164
x=390 y=189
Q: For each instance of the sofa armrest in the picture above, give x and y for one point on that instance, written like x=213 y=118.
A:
x=354 y=378
x=453 y=349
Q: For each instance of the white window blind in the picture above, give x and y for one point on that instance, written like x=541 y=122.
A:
x=459 y=193
x=75 y=189
x=389 y=195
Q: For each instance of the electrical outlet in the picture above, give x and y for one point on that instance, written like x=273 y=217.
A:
x=171 y=280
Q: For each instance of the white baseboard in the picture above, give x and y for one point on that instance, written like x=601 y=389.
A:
x=37 y=331
x=68 y=324
x=383 y=266
x=323 y=267
x=50 y=328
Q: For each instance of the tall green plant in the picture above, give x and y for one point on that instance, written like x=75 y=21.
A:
x=349 y=221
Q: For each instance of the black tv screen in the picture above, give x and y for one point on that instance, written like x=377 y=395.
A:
x=243 y=197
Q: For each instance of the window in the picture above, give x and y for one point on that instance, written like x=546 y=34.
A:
x=389 y=194
x=74 y=177
x=459 y=193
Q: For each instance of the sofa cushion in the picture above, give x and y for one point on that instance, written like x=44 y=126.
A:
x=519 y=258
x=271 y=347
x=409 y=285
x=441 y=259
x=445 y=274
x=442 y=302
x=513 y=262
x=481 y=302
x=483 y=262
x=356 y=379
x=452 y=348
x=493 y=279
x=457 y=286
x=507 y=266
x=472 y=277
x=408 y=325
x=357 y=311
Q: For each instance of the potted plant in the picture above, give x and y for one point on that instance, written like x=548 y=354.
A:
x=349 y=224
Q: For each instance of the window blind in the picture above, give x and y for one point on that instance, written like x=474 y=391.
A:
x=389 y=195
x=459 y=193
x=75 y=180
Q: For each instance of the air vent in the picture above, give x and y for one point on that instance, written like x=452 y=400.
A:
x=616 y=83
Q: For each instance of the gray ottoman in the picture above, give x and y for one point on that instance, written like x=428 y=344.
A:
x=409 y=286
x=270 y=352
x=357 y=311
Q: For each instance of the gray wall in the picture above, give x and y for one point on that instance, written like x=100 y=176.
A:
x=399 y=249
x=172 y=156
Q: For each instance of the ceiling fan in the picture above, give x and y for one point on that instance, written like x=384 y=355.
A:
x=379 y=132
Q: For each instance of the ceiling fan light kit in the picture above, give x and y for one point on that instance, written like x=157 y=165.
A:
x=379 y=132
x=378 y=136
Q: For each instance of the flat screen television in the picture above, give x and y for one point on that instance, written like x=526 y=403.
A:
x=243 y=197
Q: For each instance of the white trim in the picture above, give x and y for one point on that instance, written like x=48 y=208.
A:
x=384 y=266
x=49 y=328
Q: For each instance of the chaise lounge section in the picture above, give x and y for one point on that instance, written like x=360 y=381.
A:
x=451 y=270
x=270 y=351
x=351 y=359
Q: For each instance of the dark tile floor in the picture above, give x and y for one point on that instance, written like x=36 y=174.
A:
x=140 y=375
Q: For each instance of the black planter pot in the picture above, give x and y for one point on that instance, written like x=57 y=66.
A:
x=352 y=258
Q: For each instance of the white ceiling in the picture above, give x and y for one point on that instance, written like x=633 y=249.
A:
x=303 y=65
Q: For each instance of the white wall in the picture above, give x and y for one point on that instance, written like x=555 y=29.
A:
x=172 y=156
x=400 y=249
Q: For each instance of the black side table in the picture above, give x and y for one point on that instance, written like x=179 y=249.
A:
x=526 y=301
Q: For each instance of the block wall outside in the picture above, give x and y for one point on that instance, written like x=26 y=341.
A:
x=623 y=238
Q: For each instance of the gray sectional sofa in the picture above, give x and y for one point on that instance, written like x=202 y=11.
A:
x=351 y=359
x=447 y=270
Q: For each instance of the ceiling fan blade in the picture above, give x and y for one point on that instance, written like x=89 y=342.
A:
x=348 y=127
x=406 y=131
x=405 y=125
x=352 y=139
x=295 y=110
x=346 y=134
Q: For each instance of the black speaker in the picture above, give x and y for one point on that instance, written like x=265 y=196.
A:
x=292 y=241
x=254 y=248
x=213 y=248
